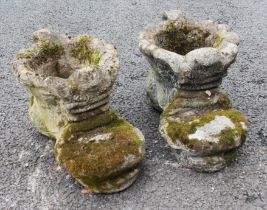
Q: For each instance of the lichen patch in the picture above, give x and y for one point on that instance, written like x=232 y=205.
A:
x=210 y=131
x=96 y=138
x=101 y=151
x=189 y=133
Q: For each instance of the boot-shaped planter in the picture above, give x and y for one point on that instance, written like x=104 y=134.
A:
x=71 y=80
x=189 y=59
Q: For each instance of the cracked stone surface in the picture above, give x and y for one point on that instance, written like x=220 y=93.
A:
x=30 y=177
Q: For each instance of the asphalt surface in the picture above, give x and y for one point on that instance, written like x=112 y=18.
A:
x=29 y=175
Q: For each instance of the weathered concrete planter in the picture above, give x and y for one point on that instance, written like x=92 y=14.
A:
x=71 y=80
x=189 y=58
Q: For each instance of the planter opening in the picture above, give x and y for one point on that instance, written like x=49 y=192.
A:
x=52 y=57
x=182 y=38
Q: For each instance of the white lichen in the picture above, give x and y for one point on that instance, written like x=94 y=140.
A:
x=97 y=138
x=210 y=131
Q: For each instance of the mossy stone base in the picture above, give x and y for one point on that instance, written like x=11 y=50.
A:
x=103 y=152
x=103 y=157
x=204 y=127
x=199 y=135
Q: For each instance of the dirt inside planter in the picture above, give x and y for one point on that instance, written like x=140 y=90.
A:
x=182 y=38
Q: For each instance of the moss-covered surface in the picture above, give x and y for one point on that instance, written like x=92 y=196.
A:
x=52 y=49
x=179 y=131
x=228 y=136
x=111 y=184
x=198 y=102
x=97 y=164
x=47 y=49
x=35 y=38
x=182 y=38
x=217 y=41
x=28 y=53
x=87 y=125
x=224 y=102
x=82 y=51
x=91 y=162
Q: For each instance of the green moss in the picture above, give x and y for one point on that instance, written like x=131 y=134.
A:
x=35 y=38
x=48 y=49
x=26 y=54
x=180 y=131
x=81 y=50
x=51 y=49
x=91 y=161
x=176 y=103
x=182 y=39
x=31 y=101
x=104 y=185
x=199 y=102
x=217 y=41
x=224 y=102
x=89 y=124
x=95 y=57
x=170 y=27
x=227 y=136
x=83 y=40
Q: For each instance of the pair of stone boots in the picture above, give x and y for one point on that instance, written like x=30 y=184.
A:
x=71 y=81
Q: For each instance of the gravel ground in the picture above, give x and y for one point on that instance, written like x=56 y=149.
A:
x=30 y=178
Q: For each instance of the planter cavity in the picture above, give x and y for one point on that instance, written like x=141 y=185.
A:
x=188 y=60
x=70 y=80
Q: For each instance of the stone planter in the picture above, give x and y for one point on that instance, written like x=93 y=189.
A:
x=189 y=58
x=71 y=80
x=186 y=54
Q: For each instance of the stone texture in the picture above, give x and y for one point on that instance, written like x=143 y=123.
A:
x=189 y=58
x=70 y=80
x=41 y=186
